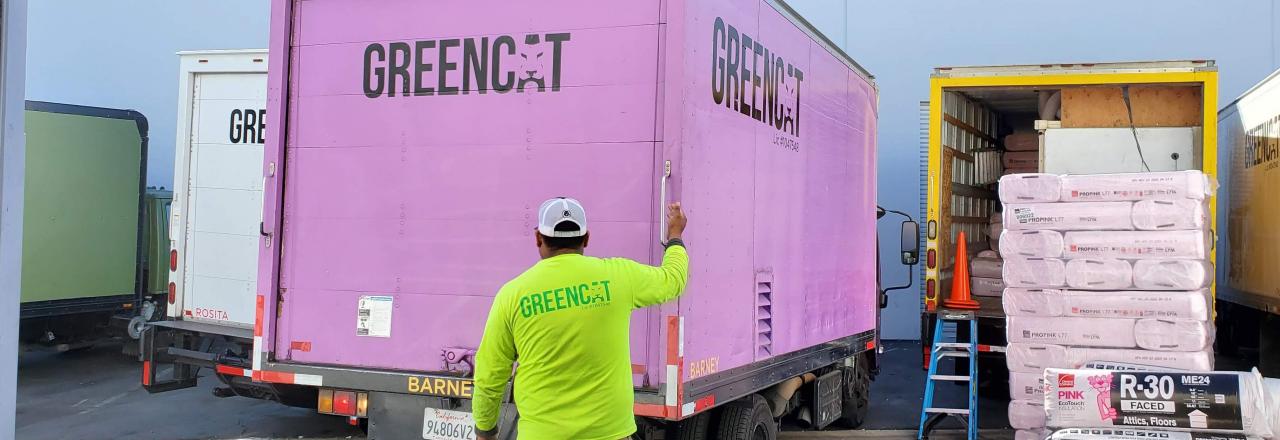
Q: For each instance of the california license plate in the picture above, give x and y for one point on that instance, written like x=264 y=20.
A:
x=441 y=424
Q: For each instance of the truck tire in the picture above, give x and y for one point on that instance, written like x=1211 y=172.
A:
x=857 y=393
x=693 y=428
x=748 y=418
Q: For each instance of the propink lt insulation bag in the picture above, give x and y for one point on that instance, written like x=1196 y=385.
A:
x=1099 y=274
x=1173 y=334
x=1030 y=187
x=1164 y=185
x=1190 y=305
x=1131 y=245
x=1087 y=216
x=1026 y=386
x=1031 y=244
x=1170 y=215
x=1034 y=272
x=1172 y=274
x=1026 y=414
x=1034 y=358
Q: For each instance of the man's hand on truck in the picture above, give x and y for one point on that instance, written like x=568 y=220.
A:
x=675 y=222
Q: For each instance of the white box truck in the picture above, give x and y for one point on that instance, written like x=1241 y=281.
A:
x=214 y=224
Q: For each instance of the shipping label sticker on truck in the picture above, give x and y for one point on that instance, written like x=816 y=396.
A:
x=373 y=316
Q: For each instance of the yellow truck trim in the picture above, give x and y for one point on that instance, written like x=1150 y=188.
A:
x=1209 y=129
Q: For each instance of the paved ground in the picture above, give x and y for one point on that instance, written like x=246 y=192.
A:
x=94 y=394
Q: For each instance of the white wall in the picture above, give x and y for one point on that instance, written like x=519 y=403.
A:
x=901 y=41
x=120 y=54
x=13 y=31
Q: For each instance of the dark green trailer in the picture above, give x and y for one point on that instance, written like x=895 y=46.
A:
x=82 y=225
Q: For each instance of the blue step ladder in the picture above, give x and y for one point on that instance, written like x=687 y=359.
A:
x=946 y=344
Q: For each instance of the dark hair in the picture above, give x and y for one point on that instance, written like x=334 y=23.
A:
x=564 y=242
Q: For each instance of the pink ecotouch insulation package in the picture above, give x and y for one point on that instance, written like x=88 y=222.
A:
x=1188 y=305
x=1170 y=215
x=1099 y=274
x=1034 y=272
x=1036 y=357
x=1163 y=185
x=1132 y=245
x=1030 y=188
x=1139 y=434
x=1092 y=216
x=1171 y=274
x=1220 y=401
x=1032 y=244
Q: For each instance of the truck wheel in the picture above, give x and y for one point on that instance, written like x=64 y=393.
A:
x=693 y=428
x=748 y=418
x=857 y=393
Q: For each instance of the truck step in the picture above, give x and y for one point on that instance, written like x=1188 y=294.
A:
x=949 y=378
x=957 y=411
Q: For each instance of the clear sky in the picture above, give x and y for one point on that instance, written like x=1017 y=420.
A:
x=116 y=53
x=901 y=41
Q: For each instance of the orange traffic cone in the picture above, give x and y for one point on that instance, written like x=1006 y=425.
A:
x=960 y=297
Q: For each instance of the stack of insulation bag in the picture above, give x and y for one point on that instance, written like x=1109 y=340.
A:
x=1103 y=268
x=1022 y=152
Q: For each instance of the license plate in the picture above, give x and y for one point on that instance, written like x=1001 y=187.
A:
x=441 y=424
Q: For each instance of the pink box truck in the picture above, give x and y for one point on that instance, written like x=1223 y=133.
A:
x=416 y=139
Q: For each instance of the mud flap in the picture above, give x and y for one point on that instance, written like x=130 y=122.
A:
x=151 y=345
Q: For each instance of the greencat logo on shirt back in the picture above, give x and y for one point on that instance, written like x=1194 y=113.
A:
x=595 y=294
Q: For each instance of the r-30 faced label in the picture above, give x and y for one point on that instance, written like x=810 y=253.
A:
x=1175 y=400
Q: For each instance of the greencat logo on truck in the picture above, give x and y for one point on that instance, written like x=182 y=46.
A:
x=1261 y=146
x=498 y=64
x=746 y=77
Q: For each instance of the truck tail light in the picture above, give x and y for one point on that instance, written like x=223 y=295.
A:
x=931 y=258
x=342 y=403
x=928 y=289
x=173 y=292
x=173 y=260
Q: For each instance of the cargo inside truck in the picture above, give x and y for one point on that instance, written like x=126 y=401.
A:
x=985 y=122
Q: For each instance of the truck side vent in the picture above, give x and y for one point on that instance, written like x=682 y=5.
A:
x=764 y=318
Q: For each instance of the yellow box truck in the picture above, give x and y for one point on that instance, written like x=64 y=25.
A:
x=983 y=122
x=1249 y=265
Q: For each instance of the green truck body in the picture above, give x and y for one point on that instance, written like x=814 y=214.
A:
x=85 y=174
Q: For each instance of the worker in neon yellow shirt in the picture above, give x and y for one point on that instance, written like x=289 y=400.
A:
x=567 y=321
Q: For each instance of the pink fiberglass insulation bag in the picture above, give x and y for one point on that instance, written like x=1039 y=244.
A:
x=1036 y=357
x=1021 y=159
x=1099 y=274
x=1034 y=272
x=1030 y=188
x=1172 y=274
x=1038 y=244
x=1139 y=434
x=986 y=286
x=1170 y=215
x=1026 y=386
x=995 y=228
x=1173 y=334
x=1220 y=401
x=1026 y=414
x=1022 y=141
x=1135 y=186
x=1072 y=331
x=1088 y=216
x=1136 y=244
x=1191 y=305
x=986 y=267
x=988 y=254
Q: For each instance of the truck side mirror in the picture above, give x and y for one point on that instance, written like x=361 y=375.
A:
x=910 y=242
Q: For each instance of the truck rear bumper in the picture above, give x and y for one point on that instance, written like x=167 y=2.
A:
x=173 y=352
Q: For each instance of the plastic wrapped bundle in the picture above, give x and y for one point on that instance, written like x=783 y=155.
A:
x=1022 y=141
x=1026 y=414
x=1022 y=159
x=1092 y=216
x=1171 y=274
x=1026 y=386
x=1192 y=305
x=986 y=286
x=1099 y=274
x=1034 y=244
x=1139 y=434
x=1030 y=188
x=1072 y=331
x=1228 y=402
x=1135 y=186
x=988 y=254
x=986 y=267
x=1034 y=272
x=1034 y=358
x=1173 y=335
x=1136 y=244
x=1169 y=215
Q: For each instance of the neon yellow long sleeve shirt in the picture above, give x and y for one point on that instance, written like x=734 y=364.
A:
x=567 y=321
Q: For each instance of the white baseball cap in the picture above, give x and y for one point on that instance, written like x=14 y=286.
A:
x=560 y=210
